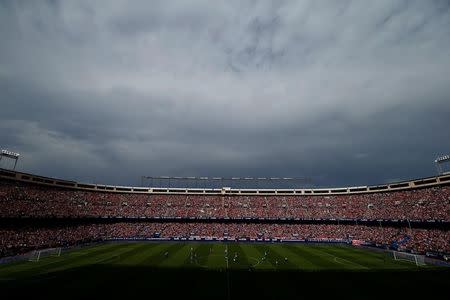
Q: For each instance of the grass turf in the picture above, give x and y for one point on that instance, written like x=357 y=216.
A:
x=222 y=271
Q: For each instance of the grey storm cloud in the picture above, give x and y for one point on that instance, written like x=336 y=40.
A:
x=345 y=92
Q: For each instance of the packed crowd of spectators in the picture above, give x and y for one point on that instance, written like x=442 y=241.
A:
x=20 y=199
x=20 y=240
x=28 y=200
x=28 y=238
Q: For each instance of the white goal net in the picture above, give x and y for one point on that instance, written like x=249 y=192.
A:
x=419 y=260
x=38 y=254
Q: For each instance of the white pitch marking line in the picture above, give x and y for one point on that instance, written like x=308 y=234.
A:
x=337 y=257
x=227 y=256
x=257 y=261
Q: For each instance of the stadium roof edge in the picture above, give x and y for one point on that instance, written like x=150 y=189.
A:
x=401 y=185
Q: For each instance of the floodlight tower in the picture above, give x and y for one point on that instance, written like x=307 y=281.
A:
x=10 y=155
x=439 y=161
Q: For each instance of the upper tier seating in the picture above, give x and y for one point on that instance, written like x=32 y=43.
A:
x=22 y=199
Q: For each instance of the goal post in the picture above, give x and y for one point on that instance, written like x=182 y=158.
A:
x=419 y=260
x=36 y=255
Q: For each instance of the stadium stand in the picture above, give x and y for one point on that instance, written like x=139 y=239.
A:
x=21 y=199
x=24 y=239
x=367 y=216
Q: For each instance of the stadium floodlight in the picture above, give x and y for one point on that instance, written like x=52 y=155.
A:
x=11 y=155
x=441 y=160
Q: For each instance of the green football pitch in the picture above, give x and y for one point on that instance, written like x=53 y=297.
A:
x=222 y=271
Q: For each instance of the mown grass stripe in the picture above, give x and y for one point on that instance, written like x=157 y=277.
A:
x=109 y=257
x=118 y=256
x=64 y=260
x=242 y=261
x=216 y=258
x=342 y=257
x=175 y=256
x=264 y=264
x=191 y=261
x=158 y=254
x=376 y=260
x=363 y=258
x=319 y=261
x=275 y=256
x=134 y=257
x=300 y=261
x=64 y=255
x=201 y=254
x=253 y=255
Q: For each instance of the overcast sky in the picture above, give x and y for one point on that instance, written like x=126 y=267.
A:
x=344 y=92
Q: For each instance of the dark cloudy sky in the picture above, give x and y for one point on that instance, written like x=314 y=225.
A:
x=345 y=92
